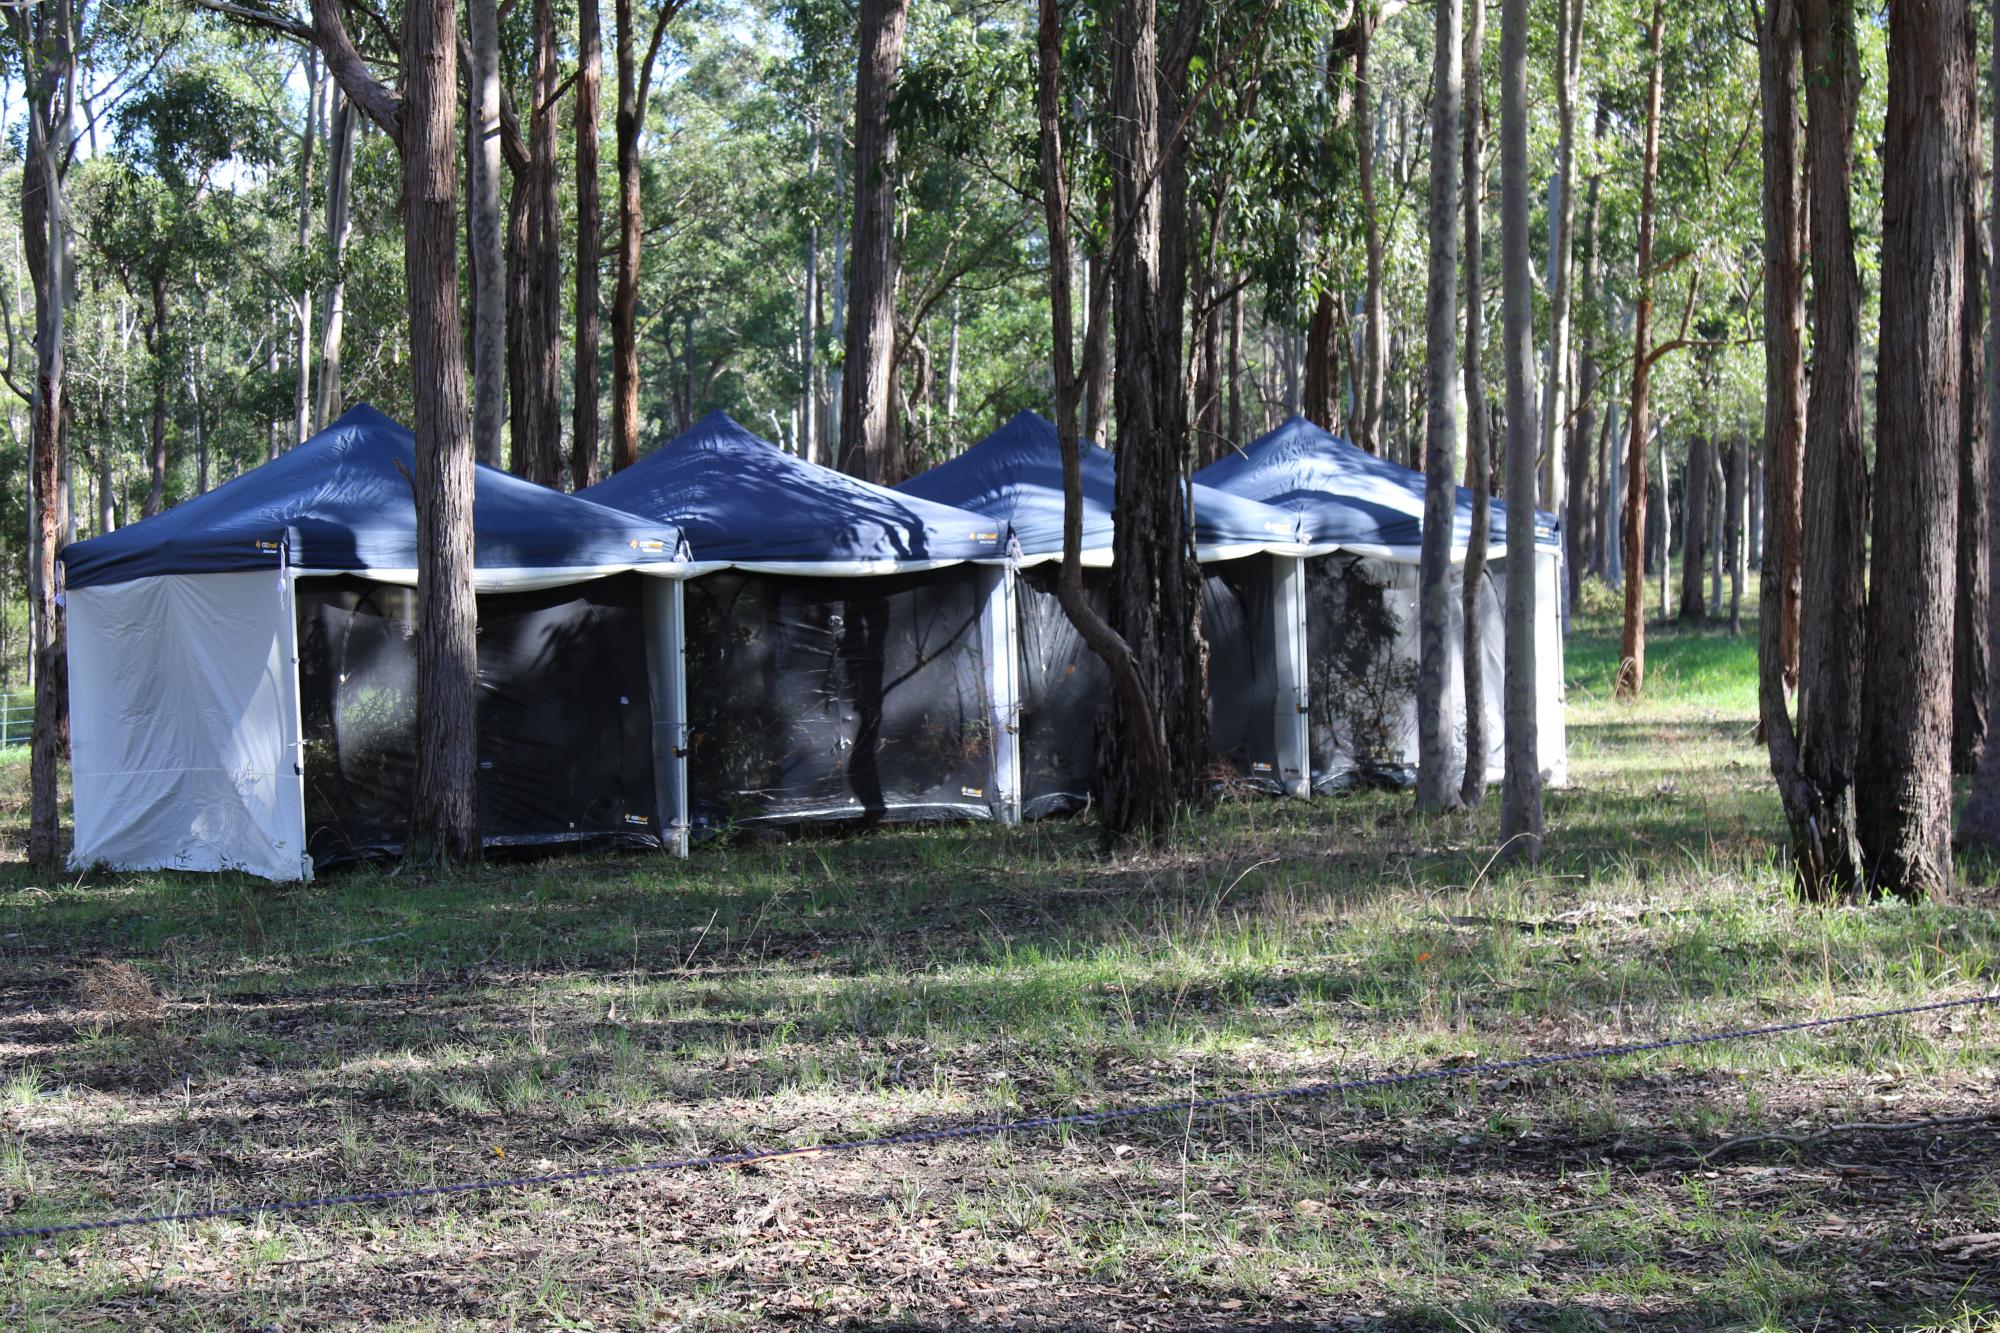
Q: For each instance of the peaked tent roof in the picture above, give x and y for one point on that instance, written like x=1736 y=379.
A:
x=343 y=501
x=742 y=500
x=1345 y=496
x=1014 y=476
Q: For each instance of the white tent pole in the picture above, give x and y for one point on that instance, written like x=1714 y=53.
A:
x=666 y=676
x=1289 y=622
x=1000 y=630
x=288 y=647
x=677 y=713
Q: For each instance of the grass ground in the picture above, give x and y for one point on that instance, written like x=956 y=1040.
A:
x=376 y=1030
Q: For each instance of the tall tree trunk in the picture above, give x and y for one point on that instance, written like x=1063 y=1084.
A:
x=1755 y=506
x=1814 y=491
x=1374 y=319
x=1171 y=587
x=1478 y=439
x=630 y=119
x=951 y=377
x=308 y=140
x=492 y=294
x=1584 y=516
x=540 y=325
x=1666 y=524
x=1556 y=489
x=1718 y=492
x=1613 y=450
x=1781 y=472
x=445 y=815
x=1521 y=788
x=1105 y=641
x=1694 y=520
x=868 y=387
x=635 y=79
x=1322 y=386
x=1979 y=820
x=444 y=821
x=1739 y=551
x=1970 y=664
x=341 y=127
x=197 y=416
x=1097 y=341
x=1210 y=443
x=589 y=245
x=272 y=434
x=1434 y=787
x=1236 y=367
x=1903 y=776
x=1155 y=584
x=809 y=325
x=1632 y=650
x=107 y=497
x=48 y=71
x=523 y=403
x=156 y=446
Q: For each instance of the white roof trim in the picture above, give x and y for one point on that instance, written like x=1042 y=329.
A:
x=506 y=580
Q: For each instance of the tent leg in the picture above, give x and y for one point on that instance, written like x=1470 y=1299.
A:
x=999 y=630
x=1294 y=746
x=666 y=671
x=295 y=724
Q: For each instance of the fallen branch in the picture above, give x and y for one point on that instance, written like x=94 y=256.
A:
x=1854 y=1127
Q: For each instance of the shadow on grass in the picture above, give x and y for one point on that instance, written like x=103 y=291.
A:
x=1699 y=1229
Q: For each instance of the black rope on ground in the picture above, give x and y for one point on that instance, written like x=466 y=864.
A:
x=989 y=1128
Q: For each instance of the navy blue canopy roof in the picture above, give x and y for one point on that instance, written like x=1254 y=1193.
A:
x=1345 y=495
x=343 y=501
x=1014 y=476
x=743 y=500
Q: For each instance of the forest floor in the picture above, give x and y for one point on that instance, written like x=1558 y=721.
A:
x=174 y=1041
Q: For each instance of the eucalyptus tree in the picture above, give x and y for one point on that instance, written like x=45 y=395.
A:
x=1478 y=438
x=1780 y=570
x=1434 y=788
x=1972 y=596
x=343 y=127
x=486 y=260
x=1979 y=819
x=1562 y=231
x=635 y=82
x=1813 y=759
x=1632 y=648
x=1903 y=769
x=420 y=120
x=1521 y=787
x=867 y=442
x=45 y=39
x=584 y=415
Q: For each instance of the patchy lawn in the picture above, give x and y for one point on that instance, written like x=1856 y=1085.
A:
x=172 y=1041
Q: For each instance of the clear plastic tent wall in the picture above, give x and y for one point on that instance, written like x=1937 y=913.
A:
x=1249 y=615
x=243 y=667
x=1362 y=517
x=851 y=658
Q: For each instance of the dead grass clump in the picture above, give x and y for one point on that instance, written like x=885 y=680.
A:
x=121 y=997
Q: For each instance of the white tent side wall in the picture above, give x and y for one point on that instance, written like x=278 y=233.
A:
x=1551 y=602
x=1492 y=662
x=184 y=725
